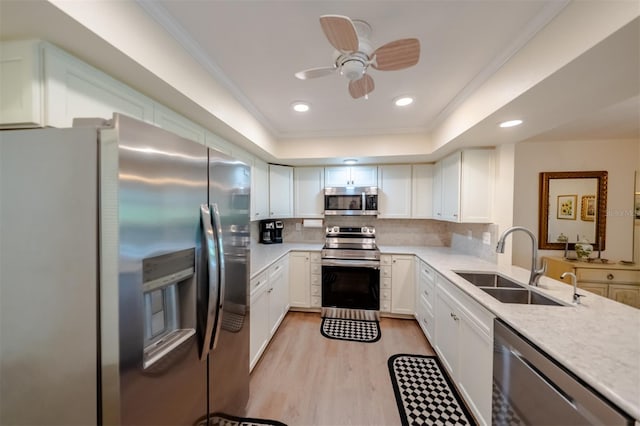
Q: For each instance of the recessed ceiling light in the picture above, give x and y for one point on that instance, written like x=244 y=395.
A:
x=403 y=101
x=350 y=161
x=511 y=123
x=300 y=106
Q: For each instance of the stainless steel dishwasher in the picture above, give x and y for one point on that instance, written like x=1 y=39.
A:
x=529 y=388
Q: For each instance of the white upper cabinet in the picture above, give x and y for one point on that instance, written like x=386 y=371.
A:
x=214 y=141
x=74 y=89
x=394 y=191
x=477 y=183
x=450 y=171
x=421 y=191
x=351 y=176
x=259 y=190
x=463 y=186
x=280 y=191
x=174 y=122
x=20 y=84
x=308 y=188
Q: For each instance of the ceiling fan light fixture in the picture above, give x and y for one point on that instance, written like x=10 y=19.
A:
x=350 y=161
x=353 y=69
x=510 y=123
x=403 y=101
x=300 y=106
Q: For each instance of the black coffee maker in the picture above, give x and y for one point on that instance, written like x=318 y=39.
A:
x=271 y=231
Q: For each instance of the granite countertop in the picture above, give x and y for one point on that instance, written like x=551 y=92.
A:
x=599 y=340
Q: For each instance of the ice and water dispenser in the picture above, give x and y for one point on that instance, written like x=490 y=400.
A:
x=169 y=303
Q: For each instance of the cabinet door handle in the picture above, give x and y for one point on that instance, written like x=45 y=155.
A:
x=610 y=276
x=454 y=316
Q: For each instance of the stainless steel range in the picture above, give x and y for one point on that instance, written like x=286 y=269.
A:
x=351 y=273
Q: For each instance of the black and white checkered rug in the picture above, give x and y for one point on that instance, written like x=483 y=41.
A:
x=424 y=394
x=348 y=329
x=220 y=419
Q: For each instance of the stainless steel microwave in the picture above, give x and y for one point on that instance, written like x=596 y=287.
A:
x=351 y=201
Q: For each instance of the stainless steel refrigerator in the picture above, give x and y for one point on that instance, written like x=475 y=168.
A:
x=124 y=266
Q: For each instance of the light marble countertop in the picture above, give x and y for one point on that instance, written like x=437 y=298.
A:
x=598 y=340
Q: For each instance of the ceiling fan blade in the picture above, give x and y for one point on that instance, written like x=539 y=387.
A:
x=315 y=72
x=397 y=55
x=362 y=87
x=340 y=32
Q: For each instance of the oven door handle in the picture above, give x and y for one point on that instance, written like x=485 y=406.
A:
x=353 y=263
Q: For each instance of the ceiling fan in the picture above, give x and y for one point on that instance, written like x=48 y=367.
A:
x=354 y=54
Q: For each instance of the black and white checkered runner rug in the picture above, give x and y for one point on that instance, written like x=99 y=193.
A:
x=220 y=419
x=348 y=329
x=424 y=394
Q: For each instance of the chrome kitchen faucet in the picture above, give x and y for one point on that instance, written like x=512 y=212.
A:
x=535 y=273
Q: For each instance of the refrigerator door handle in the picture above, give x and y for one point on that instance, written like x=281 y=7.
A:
x=211 y=259
x=217 y=228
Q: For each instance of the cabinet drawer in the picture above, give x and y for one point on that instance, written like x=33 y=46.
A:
x=315 y=257
x=428 y=295
x=608 y=275
x=385 y=259
x=258 y=281
x=316 y=290
x=385 y=305
x=315 y=301
x=316 y=279
x=426 y=319
x=385 y=272
x=427 y=274
x=276 y=268
x=601 y=289
x=385 y=294
x=385 y=283
x=316 y=268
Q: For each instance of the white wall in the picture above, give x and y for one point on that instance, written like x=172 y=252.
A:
x=618 y=157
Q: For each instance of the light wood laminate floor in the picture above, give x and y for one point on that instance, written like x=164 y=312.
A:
x=305 y=378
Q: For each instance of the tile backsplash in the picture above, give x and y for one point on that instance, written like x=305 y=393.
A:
x=401 y=232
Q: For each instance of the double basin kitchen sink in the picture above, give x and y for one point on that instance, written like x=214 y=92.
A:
x=506 y=290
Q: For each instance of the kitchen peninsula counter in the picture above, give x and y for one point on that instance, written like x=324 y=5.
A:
x=599 y=340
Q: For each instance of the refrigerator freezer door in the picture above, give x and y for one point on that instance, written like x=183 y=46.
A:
x=151 y=216
x=229 y=190
x=48 y=277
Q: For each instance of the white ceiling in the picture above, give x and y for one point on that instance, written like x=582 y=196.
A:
x=255 y=47
x=571 y=69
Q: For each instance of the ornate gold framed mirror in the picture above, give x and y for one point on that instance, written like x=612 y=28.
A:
x=572 y=207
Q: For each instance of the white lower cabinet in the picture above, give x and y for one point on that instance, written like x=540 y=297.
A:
x=316 y=279
x=464 y=343
x=300 y=279
x=397 y=284
x=425 y=298
x=279 y=296
x=305 y=279
x=259 y=315
x=269 y=303
x=385 y=283
x=402 y=284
